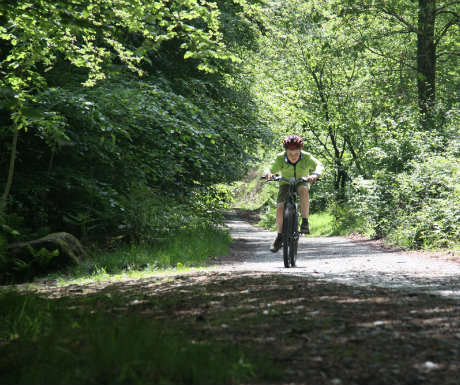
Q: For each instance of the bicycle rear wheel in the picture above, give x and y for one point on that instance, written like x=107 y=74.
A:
x=288 y=240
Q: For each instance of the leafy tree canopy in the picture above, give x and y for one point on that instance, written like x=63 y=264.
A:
x=90 y=34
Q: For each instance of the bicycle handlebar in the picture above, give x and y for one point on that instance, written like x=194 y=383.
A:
x=278 y=178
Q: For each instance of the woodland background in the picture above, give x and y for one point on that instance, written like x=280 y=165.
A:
x=134 y=121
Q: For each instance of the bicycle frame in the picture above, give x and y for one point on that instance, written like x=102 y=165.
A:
x=290 y=233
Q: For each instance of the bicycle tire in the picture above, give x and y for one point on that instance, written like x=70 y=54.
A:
x=295 y=241
x=288 y=219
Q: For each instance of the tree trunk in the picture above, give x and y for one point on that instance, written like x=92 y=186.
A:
x=340 y=183
x=426 y=56
x=9 y=180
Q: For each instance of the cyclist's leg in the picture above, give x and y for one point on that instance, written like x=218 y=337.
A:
x=279 y=218
x=282 y=193
x=304 y=200
x=302 y=190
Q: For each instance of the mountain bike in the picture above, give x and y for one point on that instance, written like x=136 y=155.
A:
x=290 y=232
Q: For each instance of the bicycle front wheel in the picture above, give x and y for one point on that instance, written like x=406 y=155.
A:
x=294 y=242
x=288 y=229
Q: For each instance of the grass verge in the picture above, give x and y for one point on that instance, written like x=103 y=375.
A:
x=182 y=251
x=322 y=224
x=59 y=341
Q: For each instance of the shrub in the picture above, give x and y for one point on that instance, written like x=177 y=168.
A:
x=428 y=203
x=416 y=208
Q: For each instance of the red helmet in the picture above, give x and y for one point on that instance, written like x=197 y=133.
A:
x=292 y=142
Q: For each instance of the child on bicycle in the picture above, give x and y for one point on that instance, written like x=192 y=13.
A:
x=293 y=162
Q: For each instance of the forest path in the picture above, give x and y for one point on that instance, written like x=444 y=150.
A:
x=351 y=313
x=343 y=260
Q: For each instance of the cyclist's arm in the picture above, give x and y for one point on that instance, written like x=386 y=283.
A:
x=274 y=168
x=317 y=168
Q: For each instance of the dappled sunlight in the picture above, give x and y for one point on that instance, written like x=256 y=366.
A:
x=364 y=300
x=345 y=309
x=313 y=325
x=303 y=318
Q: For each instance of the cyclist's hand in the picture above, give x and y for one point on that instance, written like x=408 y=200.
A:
x=312 y=178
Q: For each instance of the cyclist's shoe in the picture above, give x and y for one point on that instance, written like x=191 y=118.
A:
x=277 y=244
x=305 y=227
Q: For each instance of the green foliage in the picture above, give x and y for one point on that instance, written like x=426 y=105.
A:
x=372 y=201
x=80 y=34
x=130 y=145
x=417 y=208
x=428 y=203
x=321 y=224
x=25 y=269
x=345 y=76
x=268 y=216
x=192 y=248
x=323 y=88
x=254 y=194
x=9 y=225
x=346 y=221
x=176 y=133
x=63 y=343
x=187 y=247
x=219 y=81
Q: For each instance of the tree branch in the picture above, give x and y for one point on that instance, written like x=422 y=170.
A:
x=401 y=19
x=452 y=22
x=448 y=53
x=440 y=9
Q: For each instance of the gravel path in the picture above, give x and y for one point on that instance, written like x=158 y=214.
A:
x=344 y=261
x=350 y=313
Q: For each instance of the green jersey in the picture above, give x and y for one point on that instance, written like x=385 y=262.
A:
x=305 y=166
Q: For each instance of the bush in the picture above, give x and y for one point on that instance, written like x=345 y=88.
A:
x=428 y=203
x=147 y=215
x=416 y=208
x=372 y=202
x=179 y=136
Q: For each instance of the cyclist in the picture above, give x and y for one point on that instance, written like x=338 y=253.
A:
x=293 y=162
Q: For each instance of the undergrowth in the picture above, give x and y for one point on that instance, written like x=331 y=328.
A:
x=183 y=250
x=57 y=341
x=321 y=224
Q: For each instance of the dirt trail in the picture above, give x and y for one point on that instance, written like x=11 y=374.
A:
x=350 y=313
x=343 y=260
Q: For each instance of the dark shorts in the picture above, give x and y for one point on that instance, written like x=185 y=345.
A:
x=284 y=189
